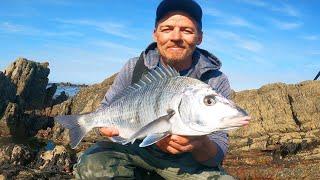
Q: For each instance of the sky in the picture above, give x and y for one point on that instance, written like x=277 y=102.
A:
x=259 y=42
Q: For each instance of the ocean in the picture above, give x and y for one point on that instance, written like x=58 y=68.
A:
x=70 y=89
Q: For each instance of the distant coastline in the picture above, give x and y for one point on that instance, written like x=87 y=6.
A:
x=67 y=84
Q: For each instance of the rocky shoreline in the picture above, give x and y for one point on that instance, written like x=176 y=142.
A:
x=282 y=141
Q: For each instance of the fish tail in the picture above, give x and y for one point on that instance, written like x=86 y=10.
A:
x=77 y=130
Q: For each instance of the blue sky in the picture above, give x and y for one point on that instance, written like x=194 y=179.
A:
x=258 y=42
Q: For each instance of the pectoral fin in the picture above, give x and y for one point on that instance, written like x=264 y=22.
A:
x=118 y=139
x=153 y=138
x=159 y=126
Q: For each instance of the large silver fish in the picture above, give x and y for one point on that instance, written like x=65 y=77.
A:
x=161 y=103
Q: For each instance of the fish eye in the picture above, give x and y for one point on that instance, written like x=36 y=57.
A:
x=209 y=100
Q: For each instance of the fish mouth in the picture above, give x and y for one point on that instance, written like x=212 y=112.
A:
x=236 y=121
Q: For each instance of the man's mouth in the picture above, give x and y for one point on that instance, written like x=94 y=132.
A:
x=175 y=48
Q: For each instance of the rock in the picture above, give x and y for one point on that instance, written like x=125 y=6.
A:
x=15 y=154
x=56 y=160
x=280 y=113
x=7 y=93
x=60 y=98
x=31 y=79
x=50 y=91
x=19 y=161
x=282 y=139
x=12 y=122
x=21 y=124
x=28 y=80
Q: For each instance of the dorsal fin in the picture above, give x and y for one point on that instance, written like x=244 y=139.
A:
x=154 y=75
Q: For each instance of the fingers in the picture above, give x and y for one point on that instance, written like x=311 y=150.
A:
x=165 y=147
x=172 y=150
x=109 y=131
x=175 y=144
x=175 y=147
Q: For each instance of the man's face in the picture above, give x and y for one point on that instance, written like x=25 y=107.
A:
x=177 y=36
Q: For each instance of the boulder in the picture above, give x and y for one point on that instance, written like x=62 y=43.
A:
x=30 y=79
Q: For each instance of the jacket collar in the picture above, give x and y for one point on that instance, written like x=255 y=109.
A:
x=203 y=60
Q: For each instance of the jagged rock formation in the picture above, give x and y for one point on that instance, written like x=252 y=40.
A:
x=23 y=90
x=23 y=95
x=283 y=136
x=31 y=79
x=281 y=142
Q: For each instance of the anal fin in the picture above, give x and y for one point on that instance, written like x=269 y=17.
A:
x=118 y=139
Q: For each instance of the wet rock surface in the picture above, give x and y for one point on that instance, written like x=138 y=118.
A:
x=281 y=142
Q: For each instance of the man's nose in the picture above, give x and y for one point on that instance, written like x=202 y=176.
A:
x=176 y=35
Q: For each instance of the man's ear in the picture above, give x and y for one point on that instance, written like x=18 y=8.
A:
x=199 y=40
x=154 y=36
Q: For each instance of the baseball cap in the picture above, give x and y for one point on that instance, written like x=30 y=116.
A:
x=189 y=7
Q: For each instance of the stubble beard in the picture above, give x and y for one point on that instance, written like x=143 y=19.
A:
x=177 y=59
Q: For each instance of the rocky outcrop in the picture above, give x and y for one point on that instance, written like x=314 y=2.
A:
x=283 y=135
x=30 y=79
x=23 y=92
x=281 y=114
x=24 y=125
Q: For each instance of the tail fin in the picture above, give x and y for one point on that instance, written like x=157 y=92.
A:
x=77 y=129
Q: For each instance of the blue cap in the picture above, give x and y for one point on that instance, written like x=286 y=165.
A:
x=189 y=7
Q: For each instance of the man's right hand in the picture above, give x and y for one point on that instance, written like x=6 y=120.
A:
x=109 y=131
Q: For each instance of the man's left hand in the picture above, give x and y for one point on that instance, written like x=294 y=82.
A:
x=176 y=144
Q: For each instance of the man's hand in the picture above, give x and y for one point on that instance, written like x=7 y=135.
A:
x=201 y=147
x=109 y=131
x=175 y=144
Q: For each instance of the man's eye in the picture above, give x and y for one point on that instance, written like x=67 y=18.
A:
x=209 y=100
x=165 y=30
x=187 y=32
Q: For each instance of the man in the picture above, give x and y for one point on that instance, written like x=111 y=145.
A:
x=178 y=31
